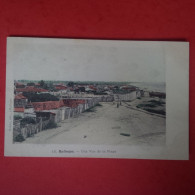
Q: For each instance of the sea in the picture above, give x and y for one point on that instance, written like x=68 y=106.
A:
x=151 y=86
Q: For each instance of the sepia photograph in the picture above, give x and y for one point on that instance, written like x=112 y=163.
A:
x=92 y=98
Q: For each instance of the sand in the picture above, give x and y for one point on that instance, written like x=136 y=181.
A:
x=107 y=125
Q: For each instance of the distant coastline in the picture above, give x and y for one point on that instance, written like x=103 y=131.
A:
x=151 y=86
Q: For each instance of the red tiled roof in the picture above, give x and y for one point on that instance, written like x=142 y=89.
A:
x=31 y=89
x=129 y=88
x=20 y=109
x=19 y=84
x=92 y=87
x=59 y=87
x=61 y=103
x=19 y=96
x=48 y=105
x=73 y=103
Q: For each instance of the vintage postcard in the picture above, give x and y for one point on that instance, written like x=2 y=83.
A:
x=97 y=98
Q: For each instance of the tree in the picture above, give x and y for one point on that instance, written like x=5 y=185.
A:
x=41 y=83
x=43 y=97
x=45 y=86
x=70 y=84
x=30 y=84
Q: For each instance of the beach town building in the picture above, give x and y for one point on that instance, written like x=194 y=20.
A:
x=29 y=111
x=19 y=85
x=30 y=89
x=125 y=96
x=19 y=111
x=60 y=87
x=20 y=100
x=65 y=108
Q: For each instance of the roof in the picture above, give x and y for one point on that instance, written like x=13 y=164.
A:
x=20 y=109
x=129 y=88
x=18 y=83
x=29 y=105
x=19 y=96
x=51 y=105
x=73 y=103
x=31 y=89
x=48 y=105
x=92 y=87
x=60 y=87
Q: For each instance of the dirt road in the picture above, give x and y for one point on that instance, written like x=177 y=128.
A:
x=107 y=125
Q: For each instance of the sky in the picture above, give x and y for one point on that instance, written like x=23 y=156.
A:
x=86 y=60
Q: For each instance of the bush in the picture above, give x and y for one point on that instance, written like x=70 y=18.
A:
x=17 y=117
x=150 y=105
x=51 y=125
x=19 y=138
x=43 y=97
x=155 y=111
x=98 y=104
x=27 y=120
x=155 y=102
x=146 y=105
x=90 y=110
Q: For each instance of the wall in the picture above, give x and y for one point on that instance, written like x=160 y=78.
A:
x=20 y=102
x=60 y=115
x=126 y=97
x=29 y=129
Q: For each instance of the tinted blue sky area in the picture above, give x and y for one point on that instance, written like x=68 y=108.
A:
x=81 y=60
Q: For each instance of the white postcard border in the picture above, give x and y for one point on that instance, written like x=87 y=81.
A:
x=177 y=117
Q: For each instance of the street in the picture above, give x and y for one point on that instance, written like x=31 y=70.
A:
x=106 y=125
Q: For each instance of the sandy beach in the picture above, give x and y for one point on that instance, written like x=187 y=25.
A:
x=108 y=125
